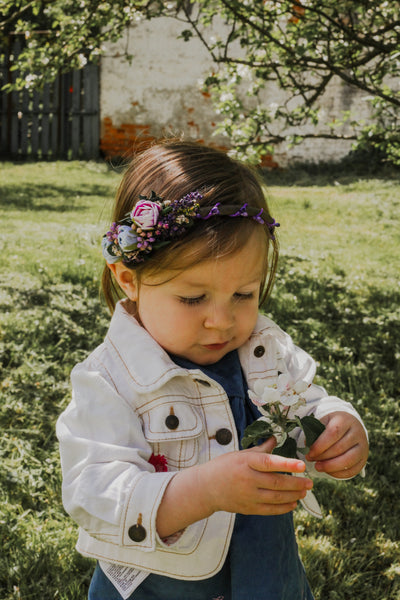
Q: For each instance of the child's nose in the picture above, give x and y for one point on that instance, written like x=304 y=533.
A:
x=219 y=317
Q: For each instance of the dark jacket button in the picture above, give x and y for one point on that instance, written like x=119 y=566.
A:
x=137 y=533
x=223 y=436
x=259 y=351
x=172 y=421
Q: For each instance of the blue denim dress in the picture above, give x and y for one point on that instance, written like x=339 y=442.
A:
x=263 y=561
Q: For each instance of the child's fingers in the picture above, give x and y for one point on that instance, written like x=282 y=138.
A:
x=336 y=428
x=279 y=483
x=266 y=446
x=343 y=433
x=342 y=462
x=252 y=482
x=336 y=448
x=264 y=462
x=347 y=463
x=343 y=467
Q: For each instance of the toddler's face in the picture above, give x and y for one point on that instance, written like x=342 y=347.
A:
x=206 y=310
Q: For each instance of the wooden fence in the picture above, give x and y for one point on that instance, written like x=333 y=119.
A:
x=59 y=122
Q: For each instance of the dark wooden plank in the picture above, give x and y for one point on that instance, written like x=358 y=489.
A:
x=15 y=104
x=76 y=114
x=61 y=117
x=24 y=118
x=55 y=118
x=45 y=122
x=15 y=124
x=36 y=101
x=4 y=103
x=87 y=139
x=91 y=103
x=96 y=111
x=66 y=115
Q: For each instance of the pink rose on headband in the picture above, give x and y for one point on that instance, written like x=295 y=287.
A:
x=145 y=214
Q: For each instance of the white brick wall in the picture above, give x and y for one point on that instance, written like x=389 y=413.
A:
x=160 y=90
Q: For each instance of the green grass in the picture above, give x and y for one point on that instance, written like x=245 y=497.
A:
x=336 y=293
x=347 y=230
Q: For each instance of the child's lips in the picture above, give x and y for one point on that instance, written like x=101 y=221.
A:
x=219 y=346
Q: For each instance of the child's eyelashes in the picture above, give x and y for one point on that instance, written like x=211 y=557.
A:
x=192 y=300
x=248 y=296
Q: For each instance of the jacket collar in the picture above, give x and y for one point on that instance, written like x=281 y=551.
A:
x=148 y=365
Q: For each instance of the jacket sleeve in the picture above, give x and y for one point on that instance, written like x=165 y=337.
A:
x=300 y=366
x=271 y=351
x=108 y=484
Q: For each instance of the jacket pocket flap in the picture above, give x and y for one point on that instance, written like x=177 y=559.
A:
x=172 y=421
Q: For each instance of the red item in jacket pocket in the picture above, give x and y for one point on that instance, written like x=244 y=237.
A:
x=159 y=462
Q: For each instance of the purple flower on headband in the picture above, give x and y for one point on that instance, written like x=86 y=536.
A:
x=154 y=222
x=127 y=238
x=242 y=212
x=146 y=214
x=112 y=234
x=259 y=218
x=214 y=210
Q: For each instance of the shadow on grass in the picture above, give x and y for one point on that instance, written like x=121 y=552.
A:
x=48 y=197
x=341 y=325
x=356 y=545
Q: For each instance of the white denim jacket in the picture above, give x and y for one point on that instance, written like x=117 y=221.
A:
x=123 y=394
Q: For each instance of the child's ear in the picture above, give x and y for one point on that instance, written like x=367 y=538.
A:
x=126 y=279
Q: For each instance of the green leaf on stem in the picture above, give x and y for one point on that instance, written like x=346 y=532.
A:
x=254 y=432
x=312 y=428
x=288 y=449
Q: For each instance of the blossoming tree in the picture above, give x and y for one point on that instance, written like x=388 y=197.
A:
x=298 y=45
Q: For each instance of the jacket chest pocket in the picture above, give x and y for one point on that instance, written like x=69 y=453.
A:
x=173 y=430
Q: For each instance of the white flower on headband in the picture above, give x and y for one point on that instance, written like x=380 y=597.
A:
x=127 y=238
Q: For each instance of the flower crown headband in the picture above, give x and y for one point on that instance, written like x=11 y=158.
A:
x=155 y=222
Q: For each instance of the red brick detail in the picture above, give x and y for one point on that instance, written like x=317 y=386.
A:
x=298 y=12
x=268 y=161
x=125 y=140
x=128 y=138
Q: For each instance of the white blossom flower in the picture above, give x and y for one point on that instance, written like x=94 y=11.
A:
x=227 y=97
x=277 y=398
x=82 y=60
x=243 y=70
x=280 y=389
x=300 y=386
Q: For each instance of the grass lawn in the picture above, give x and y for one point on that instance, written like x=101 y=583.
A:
x=337 y=294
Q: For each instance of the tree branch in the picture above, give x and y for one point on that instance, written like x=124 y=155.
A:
x=16 y=15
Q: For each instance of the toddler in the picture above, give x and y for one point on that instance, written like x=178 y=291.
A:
x=167 y=501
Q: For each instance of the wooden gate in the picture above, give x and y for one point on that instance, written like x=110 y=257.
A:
x=59 y=122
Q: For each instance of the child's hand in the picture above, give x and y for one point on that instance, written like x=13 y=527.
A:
x=251 y=482
x=342 y=449
x=254 y=482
